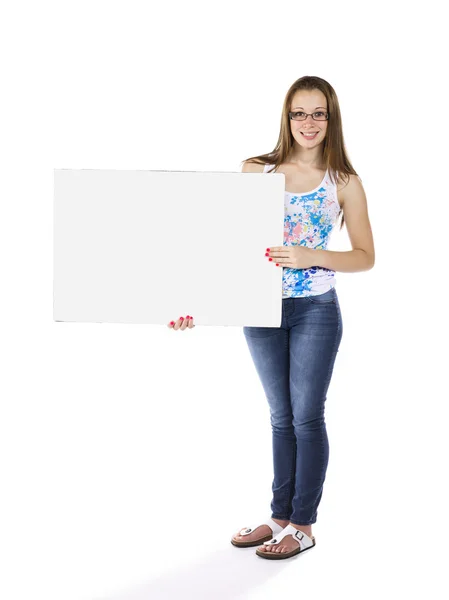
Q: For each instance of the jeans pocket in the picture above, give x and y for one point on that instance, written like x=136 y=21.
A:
x=328 y=297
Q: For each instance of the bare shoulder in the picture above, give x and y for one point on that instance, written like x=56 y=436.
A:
x=350 y=181
x=250 y=167
x=348 y=185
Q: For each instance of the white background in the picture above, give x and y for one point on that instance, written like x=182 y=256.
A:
x=130 y=454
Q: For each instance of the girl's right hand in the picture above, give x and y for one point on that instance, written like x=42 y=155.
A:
x=182 y=323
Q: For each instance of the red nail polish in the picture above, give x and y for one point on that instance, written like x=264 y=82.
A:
x=266 y=254
x=182 y=318
x=270 y=259
x=268 y=249
x=277 y=265
x=172 y=322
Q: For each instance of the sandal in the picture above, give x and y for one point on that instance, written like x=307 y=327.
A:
x=305 y=543
x=271 y=524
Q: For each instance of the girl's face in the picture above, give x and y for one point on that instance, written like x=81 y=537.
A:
x=310 y=102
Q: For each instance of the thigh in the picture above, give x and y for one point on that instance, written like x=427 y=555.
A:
x=269 y=348
x=315 y=335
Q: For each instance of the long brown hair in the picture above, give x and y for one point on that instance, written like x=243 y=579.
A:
x=335 y=157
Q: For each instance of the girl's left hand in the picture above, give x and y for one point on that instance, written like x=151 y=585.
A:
x=292 y=257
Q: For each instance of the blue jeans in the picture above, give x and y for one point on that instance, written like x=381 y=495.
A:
x=295 y=363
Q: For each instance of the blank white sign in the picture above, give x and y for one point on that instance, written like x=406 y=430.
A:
x=150 y=246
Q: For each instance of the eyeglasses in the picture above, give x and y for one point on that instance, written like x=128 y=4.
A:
x=316 y=116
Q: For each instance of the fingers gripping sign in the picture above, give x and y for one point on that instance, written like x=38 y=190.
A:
x=292 y=257
x=182 y=323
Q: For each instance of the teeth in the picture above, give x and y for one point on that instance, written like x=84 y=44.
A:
x=310 y=134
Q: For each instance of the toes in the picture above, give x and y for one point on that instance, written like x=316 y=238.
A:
x=273 y=548
x=277 y=549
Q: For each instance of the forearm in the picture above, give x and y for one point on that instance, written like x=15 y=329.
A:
x=350 y=261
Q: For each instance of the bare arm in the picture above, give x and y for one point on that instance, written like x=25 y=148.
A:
x=362 y=255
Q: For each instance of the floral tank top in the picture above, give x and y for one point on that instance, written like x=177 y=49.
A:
x=308 y=221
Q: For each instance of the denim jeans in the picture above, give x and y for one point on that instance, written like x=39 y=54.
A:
x=295 y=363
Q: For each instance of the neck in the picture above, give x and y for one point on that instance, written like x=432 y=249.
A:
x=309 y=159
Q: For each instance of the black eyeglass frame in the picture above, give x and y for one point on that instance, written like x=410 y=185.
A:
x=290 y=114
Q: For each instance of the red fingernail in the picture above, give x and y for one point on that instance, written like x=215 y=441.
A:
x=268 y=249
x=277 y=265
x=266 y=254
x=187 y=317
x=182 y=318
x=270 y=259
x=172 y=322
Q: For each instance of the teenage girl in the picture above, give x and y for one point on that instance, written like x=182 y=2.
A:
x=295 y=361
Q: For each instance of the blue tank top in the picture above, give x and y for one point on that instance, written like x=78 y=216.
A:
x=308 y=221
